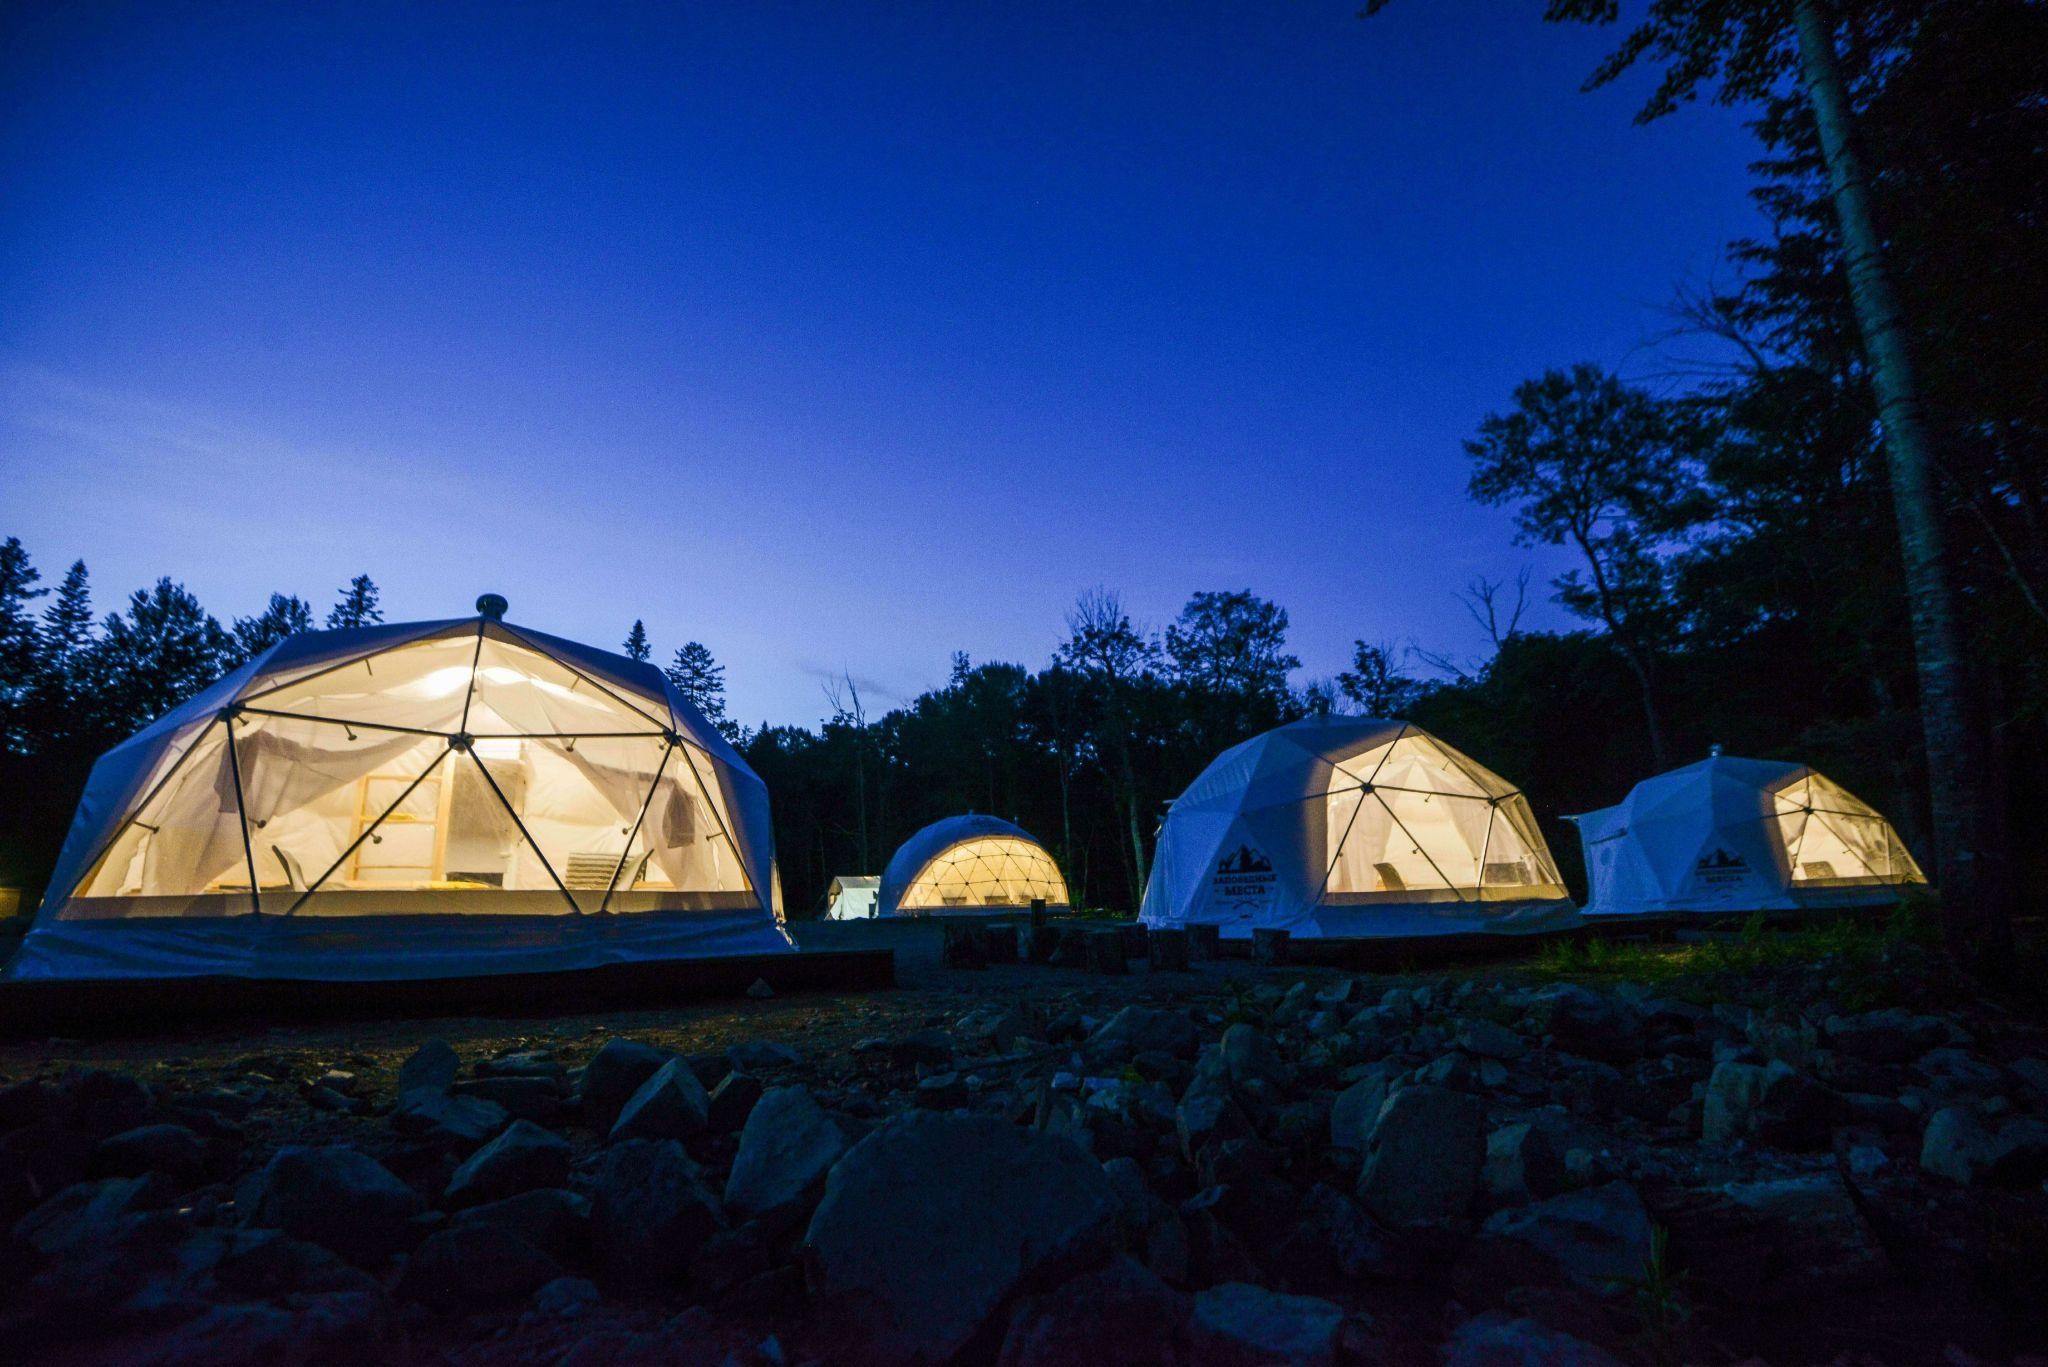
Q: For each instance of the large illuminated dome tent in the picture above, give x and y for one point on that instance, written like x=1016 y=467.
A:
x=436 y=799
x=969 y=864
x=1352 y=827
x=1740 y=835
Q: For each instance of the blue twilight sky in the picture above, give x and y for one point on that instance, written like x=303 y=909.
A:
x=834 y=335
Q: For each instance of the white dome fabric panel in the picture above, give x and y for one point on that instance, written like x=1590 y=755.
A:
x=1346 y=826
x=403 y=779
x=1733 y=835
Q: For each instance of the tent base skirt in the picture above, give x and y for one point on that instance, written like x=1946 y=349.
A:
x=1405 y=921
x=359 y=949
x=136 y=1006
x=1821 y=900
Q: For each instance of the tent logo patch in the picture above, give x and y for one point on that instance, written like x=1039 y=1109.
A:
x=1722 y=868
x=1244 y=874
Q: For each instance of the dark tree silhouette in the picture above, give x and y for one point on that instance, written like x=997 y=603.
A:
x=358 y=605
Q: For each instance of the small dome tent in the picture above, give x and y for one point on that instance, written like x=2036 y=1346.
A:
x=852 y=897
x=1730 y=834
x=434 y=799
x=969 y=864
x=1351 y=826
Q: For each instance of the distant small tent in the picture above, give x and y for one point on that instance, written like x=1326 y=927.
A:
x=852 y=897
x=433 y=799
x=967 y=864
x=1352 y=826
x=1737 y=835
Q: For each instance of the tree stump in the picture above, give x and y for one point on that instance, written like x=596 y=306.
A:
x=1205 y=943
x=1000 y=942
x=1106 y=952
x=1269 y=947
x=965 y=945
x=1169 y=951
x=1134 y=940
x=1040 y=940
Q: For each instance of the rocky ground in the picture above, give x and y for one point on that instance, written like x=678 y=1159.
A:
x=1818 y=1150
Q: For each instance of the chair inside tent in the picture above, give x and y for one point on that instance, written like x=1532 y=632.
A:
x=446 y=798
x=1347 y=826
x=970 y=864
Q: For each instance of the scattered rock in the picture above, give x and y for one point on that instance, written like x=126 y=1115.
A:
x=554 y=1220
x=1774 y=1104
x=1252 y=1060
x=759 y=990
x=336 y=1197
x=474 y=1265
x=732 y=1101
x=1494 y=1340
x=1956 y=1145
x=1356 y=1110
x=932 y=1222
x=759 y=1055
x=458 y=1123
x=524 y=1157
x=671 y=1104
x=171 y=1149
x=1596 y=1240
x=1521 y=1163
x=788 y=1145
x=1141 y=1029
x=1425 y=1158
x=1487 y=1039
x=614 y=1073
x=1122 y=1303
x=649 y=1212
x=526 y=1095
x=433 y=1067
x=1239 y=1325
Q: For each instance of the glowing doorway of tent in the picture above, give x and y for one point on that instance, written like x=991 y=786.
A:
x=1412 y=821
x=1832 y=838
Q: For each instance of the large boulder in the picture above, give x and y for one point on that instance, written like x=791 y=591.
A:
x=1239 y=1325
x=933 y=1221
x=1357 y=1109
x=1774 y=1104
x=1424 y=1161
x=785 y=1150
x=671 y=1104
x=170 y=1149
x=1251 y=1059
x=1121 y=1303
x=336 y=1197
x=1522 y=1162
x=649 y=1211
x=524 y=1157
x=614 y=1073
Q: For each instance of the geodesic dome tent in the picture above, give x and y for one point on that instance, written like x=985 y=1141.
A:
x=970 y=864
x=852 y=897
x=1350 y=826
x=1728 y=834
x=435 y=799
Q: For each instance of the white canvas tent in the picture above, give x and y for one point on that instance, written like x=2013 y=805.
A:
x=1350 y=826
x=437 y=799
x=970 y=864
x=1731 y=834
x=852 y=897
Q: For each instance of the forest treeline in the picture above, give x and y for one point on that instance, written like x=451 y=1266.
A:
x=1739 y=573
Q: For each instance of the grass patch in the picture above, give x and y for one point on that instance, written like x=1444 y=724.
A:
x=1866 y=956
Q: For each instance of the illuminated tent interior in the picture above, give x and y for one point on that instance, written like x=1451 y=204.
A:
x=852 y=897
x=970 y=864
x=439 y=798
x=1739 y=835
x=1350 y=826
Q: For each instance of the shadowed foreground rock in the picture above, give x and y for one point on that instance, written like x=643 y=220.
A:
x=933 y=1221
